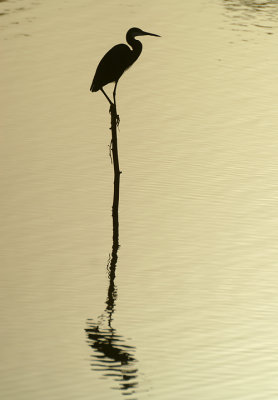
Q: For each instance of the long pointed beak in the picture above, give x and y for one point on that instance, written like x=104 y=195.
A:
x=150 y=34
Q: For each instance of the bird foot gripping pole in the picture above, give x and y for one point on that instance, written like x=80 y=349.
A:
x=114 y=110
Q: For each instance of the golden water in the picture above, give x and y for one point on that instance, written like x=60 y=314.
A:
x=196 y=276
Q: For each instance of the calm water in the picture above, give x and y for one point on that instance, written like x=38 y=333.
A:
x=187 y=307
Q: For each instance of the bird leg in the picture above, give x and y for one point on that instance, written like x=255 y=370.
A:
x=112 y=105
x=111 y=102
x=114 y=93
x=114 y=98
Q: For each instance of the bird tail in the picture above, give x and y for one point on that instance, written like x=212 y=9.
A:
x=93 y=87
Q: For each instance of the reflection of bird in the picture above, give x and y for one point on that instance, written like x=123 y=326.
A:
x=113 y=357
x=117 y=61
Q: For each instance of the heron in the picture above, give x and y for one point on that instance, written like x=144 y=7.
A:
x=116 y=61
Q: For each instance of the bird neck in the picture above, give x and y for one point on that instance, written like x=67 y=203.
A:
x=135 y=44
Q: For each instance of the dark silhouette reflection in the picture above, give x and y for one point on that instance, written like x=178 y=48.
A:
x=252 y=14
x=112 y=356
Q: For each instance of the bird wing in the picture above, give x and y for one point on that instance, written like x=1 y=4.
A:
x=112 y=66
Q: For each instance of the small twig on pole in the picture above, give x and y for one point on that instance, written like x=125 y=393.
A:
x=110 y=151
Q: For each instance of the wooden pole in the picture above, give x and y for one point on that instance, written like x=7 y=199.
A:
x=117 y=173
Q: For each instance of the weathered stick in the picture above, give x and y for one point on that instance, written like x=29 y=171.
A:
x=117 y=173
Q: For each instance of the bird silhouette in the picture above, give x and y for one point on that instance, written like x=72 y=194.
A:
x=116 y=61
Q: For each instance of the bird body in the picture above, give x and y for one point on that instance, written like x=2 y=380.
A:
x=117 y=60
x=114 y=64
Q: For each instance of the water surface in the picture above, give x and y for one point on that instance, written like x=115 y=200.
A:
x=192 y=310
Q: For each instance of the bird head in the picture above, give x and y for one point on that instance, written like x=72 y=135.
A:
x=138 y=32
